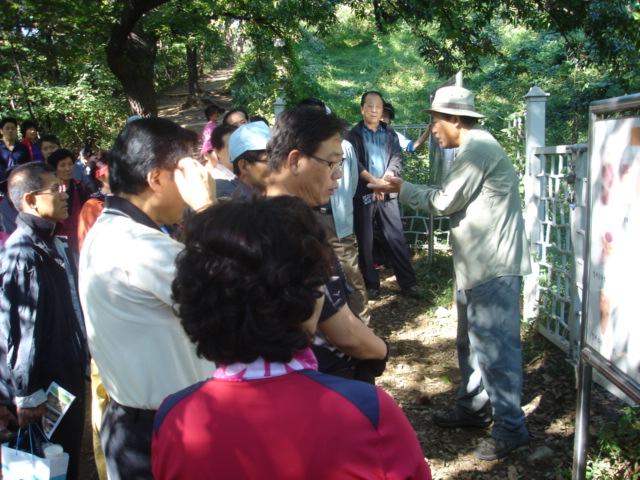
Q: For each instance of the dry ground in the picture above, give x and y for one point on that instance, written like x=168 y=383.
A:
x=423 y=377
x=170 y=103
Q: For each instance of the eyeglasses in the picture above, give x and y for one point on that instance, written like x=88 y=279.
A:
x=52 y=190
x=334 y=166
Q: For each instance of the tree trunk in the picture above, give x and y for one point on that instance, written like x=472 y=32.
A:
x=192 y=72
x=378 y=15
x=131 y=55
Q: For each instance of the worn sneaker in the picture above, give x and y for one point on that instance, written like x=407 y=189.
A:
x=455 y=418
x=491 y=448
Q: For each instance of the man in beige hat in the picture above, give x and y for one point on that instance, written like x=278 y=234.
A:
x=490 y=256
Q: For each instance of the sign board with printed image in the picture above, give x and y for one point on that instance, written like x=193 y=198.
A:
x=610 y=329
x=613 y=318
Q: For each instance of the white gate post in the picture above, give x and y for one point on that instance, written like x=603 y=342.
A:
x=534 y=189
x=279 y=105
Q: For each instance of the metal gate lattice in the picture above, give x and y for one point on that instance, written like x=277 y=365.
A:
x=416 y=222
x=558 y=243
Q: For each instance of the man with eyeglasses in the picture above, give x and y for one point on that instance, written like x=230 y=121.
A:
x=337 y=218
x=41 y=320
x=306 y=160
x=379 y=154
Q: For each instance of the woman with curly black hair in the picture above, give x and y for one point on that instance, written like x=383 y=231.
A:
x=248 y=292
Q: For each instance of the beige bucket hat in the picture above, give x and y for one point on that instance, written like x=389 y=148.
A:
x=454 y=101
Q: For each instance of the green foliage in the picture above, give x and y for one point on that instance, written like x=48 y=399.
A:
x=541 y=58
x=347 y=65
x=170 y=66
x=438 y=276
x=271 y=67
x=54 y=71
x=264 y=73
x=181 y=24
x=615 y=457
x=79 y=114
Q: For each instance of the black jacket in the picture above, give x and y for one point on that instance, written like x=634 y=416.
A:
x=393 y=155
x=41 y=339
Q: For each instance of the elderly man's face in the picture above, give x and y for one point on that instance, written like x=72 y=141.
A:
x=445 y=130
x=372 y=110
x=49 y=203
x=255 y=174
x=318 y=172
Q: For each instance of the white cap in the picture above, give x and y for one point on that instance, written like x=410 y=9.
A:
x=250 y=136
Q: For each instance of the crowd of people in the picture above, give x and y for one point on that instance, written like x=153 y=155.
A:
x=221 y=304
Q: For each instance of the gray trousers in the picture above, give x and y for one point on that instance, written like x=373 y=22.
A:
x=490 y=355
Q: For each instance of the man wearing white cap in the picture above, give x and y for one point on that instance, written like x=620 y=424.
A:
x=490 y=256
x=247 y=153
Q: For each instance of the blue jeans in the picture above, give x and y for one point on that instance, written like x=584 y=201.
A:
x=490 y=356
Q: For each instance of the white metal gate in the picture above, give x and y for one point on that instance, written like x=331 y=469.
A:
x=557 y=176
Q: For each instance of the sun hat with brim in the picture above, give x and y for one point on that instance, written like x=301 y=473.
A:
x=454 y=101
x=250 y=136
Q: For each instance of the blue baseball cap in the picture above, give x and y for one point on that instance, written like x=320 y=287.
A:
x=250 y=136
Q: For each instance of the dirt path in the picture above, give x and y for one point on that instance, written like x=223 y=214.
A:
x=423 y=377
x=170 y=102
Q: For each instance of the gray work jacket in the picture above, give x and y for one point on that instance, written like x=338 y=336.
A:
x=480 y=195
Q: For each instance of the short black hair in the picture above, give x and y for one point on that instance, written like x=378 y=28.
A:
x=26 y=178
x=249 y=275
x=48 y=138
x=217 y=137
x=370 y=92
x=258 y=118
x=211 y=109
x=312 y=102
x=56 y=157
x=235 y=110
x=301 y=128
x=26 y=125
x=6 y=120
x=389 y=110
x=86 y=152
x=143 y=146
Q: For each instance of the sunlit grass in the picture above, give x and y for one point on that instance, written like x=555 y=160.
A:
x=355 y=59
